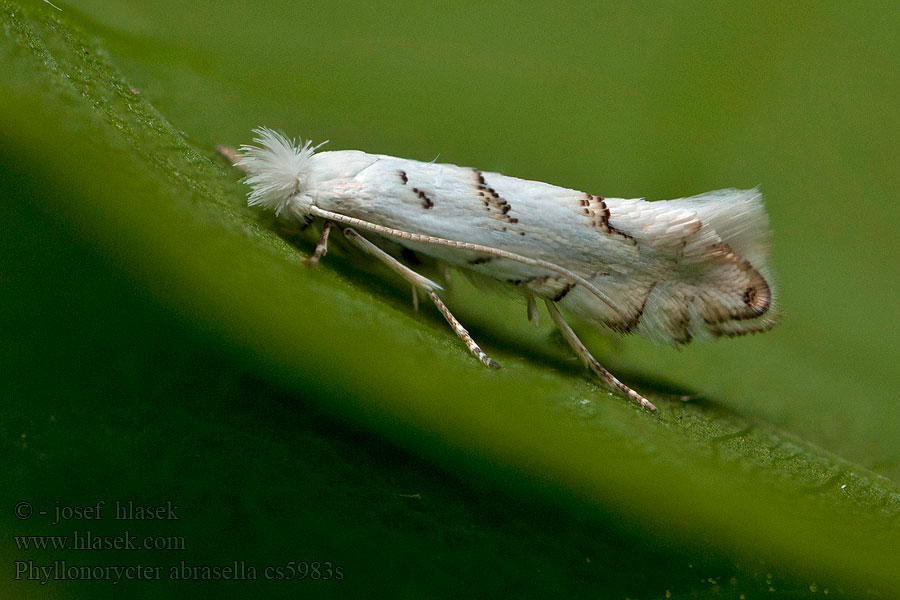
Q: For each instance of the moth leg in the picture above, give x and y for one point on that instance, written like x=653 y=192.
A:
x=591 y=362
x=462 y=333
x=531 y=308
x=415 y=294
x=425 y=284
x=399 y=268
x=445 y=272
x=321 y=246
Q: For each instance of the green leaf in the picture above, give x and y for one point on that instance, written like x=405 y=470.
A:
x=164 y=343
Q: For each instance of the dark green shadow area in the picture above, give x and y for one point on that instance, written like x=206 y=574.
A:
x=162 y=343
x=110 y=398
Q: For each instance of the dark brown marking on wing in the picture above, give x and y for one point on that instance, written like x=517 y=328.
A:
x=496 y=205
x=681 y=335
x=721 y=330
x=696 y=227
x=530 y=280
x=595 y=208
x=749 y=296
x=545 y=286
x=627 y=236
x=426 y=201
x=565 y=291
x=757 y=296
x=540 y=279
x=635 y=319
x=677 y=318
x=403 y=177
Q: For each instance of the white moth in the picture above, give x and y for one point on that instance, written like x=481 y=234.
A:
x=671 y=271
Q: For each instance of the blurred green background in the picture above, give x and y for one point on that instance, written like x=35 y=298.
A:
x=162 y=342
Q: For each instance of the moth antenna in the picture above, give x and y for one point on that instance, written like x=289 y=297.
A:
x=428 y=239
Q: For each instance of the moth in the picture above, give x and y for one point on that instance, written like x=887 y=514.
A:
x=671 y=271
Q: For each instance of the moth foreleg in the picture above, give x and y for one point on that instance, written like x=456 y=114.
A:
x=591 y=362
x=396 y=266
x=425 y=284
x=321 y=246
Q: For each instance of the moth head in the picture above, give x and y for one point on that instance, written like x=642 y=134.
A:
x=278 y=171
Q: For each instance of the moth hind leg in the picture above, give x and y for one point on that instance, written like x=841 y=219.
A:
x=421 y=283
x=531 y=309
x=463 y=333
x=584 y=354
